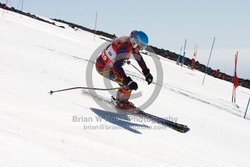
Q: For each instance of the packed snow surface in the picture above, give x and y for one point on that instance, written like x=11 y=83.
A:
x=71 y=129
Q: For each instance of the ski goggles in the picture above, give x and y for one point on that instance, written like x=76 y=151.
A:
x=136 y=43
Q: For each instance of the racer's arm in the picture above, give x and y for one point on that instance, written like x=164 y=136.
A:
x=140 y=61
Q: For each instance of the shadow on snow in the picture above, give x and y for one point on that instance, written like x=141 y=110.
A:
x=121 y=120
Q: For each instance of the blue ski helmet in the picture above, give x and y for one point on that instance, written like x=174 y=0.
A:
x=139 y=38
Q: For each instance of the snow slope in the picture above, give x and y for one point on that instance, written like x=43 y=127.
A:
x=37 y=129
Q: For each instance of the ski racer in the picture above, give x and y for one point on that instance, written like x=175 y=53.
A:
x=110 y=61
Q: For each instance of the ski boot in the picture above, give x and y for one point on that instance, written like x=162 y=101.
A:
x=125 y=105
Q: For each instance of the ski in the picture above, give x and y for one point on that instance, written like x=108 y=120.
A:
x=173 y=125
x=170 y=124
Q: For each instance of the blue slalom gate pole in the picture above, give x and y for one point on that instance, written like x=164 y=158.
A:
x=208 y=61
x=179 y=57
x=247 y=108
x=184 y=53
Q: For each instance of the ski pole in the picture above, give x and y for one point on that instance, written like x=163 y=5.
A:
x=67 y=89
x=129 y=63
